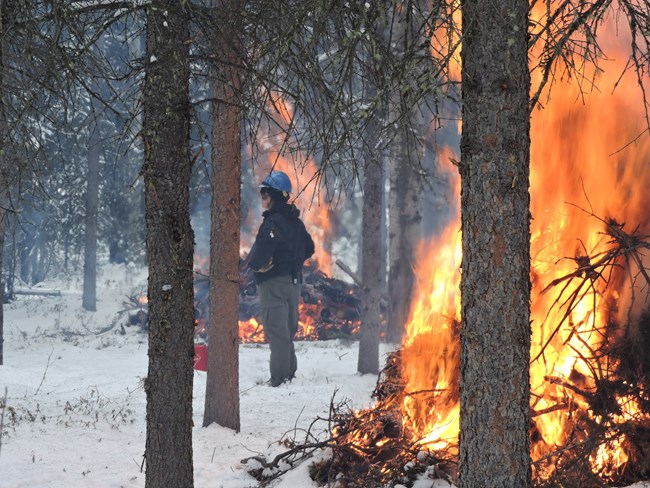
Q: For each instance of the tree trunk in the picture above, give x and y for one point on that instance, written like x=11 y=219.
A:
x=405 y=219
x=495 y=284
x=89 y=298
x=373 y=263
x=40 y=260
x=6 y=13
x=26 y=247
x=3 y=226
x=404 y=163
x=222 y=384
x=170 y=246
x=373 y=252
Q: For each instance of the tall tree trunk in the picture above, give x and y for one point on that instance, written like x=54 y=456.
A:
x=41 y=258
x=373 y=252
x=170 y=246
x=373 y=262
x=405 y=175
x=495 y=284
x=5 y=15
x=89 y=298
x=405 y=231
x=222 y=384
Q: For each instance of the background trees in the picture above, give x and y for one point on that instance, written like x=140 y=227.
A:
x=27 y=86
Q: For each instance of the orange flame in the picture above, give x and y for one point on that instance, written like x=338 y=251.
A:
x=251 y=331
x=303 y=172
x=311 y=319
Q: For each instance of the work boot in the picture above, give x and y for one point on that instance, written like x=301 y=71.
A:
x=275 y=383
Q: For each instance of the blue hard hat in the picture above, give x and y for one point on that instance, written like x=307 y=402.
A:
x=277 y=180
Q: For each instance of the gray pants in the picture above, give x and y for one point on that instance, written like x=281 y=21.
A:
x=279 y=317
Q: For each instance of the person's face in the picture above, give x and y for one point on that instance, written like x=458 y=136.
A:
x=266 y=201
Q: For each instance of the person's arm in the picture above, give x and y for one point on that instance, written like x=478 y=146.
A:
x=261 y=255
x=309 y=244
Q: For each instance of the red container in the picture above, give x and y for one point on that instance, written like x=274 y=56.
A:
x=201 y=357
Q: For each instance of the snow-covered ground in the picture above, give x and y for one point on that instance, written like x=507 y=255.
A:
x=75 y=413
x=75 y=408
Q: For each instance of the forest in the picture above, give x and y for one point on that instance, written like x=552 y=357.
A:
x=474 y=177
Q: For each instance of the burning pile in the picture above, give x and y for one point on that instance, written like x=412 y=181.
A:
x=329 y=309
x=593 y=426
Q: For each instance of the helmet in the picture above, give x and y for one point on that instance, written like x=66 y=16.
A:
x=277 y=180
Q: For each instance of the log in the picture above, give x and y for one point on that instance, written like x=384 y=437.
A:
x=49 y=293
x=348 y=271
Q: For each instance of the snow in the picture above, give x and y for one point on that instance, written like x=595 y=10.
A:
x=75 y=414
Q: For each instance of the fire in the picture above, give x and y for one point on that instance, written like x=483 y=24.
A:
x=445 y=40
x=432 y=349
x=310 y=321
x=304 y=175
x=251 y=331
x=580 y=169
x=587 y=161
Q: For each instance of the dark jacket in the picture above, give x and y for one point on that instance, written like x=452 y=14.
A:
x=282 y=244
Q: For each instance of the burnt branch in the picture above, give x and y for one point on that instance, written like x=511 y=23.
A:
x=625 y=247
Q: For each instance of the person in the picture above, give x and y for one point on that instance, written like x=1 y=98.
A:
x=280 y=249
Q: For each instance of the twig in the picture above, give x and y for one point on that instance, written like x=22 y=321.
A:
x=248 y=389
x=551 y=409
x=47 y=366
x=2 y=417
x=295 y=424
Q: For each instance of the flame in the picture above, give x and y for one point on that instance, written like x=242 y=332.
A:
x=579 y=170
x=311 y=321
x=431 y=348
x=304 y=175
x=446 y=34
x=315 y=214
x=251 y=331
x=587 y=160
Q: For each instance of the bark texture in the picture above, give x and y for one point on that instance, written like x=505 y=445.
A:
x=222 y=385
x=170 y=246
x=495 y=284
x=89 y=297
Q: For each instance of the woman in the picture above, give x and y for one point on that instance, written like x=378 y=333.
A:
x=281 y=247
